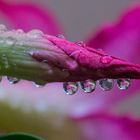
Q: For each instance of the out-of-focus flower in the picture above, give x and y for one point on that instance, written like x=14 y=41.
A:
x=89 y=113
x=28 y=16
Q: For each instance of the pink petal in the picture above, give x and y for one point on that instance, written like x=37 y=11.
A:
x=108 y=127
x=29 y=16
x=122 y=38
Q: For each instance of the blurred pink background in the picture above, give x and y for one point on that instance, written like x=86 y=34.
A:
x=78 y=19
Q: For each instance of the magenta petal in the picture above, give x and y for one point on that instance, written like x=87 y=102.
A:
x=108 y=127
x=122 y=38
x=29 y=16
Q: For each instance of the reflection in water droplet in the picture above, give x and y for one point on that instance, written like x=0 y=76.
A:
x=106 y=59
x=3 y=28
x=70 y=87
x=106 y=84
x=38 y=85
x=13 y=80
x=35 y=33
x=123 y=84
x=61 y=36
x=88 y=85
x=80 y=43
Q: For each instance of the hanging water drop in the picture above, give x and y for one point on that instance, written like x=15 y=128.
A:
x=35 y=33
x=13 y=80
x=106 y=59
x=70 y=87
x=38 y=85
x=123 y=84
x=88 y=85
x=80 y=43
x=61 y=36
x=106 y=84
x=0 y=78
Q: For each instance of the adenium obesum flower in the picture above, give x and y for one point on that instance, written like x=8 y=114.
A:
x=47 y=58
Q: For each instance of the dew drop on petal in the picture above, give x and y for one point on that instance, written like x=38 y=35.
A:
x=61 y=36
x=70 y=87
x=88 y=85
x=13 y=80
x=80 y=43
x=35 y=33
x=106 y=59
x=123 y=84
x=106 y=84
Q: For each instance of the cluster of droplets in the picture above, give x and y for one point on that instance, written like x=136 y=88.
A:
x=88 y=86
x=10 y=37
x=70 y=88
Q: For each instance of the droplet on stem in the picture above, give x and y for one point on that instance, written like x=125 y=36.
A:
x=88 y=85
x=123 y=84
x=0 y=78
x=106 y=84
x=70 y=87
x=13 y=80
x=38 y=85
x=35 y=33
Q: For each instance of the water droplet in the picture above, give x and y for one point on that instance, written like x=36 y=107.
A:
x=106 y=59
x=0 y=78
x=19 y=31
x=88 y=85
x=10 y=41
x=80 y=43
x=106 y=84
x=3 y=28
x=35 y=33
x=38 y=85
x=61 y=36
x=123 y=84
x=13 y=80
x=70 y=87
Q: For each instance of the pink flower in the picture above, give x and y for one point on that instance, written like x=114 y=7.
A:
x=90 y=113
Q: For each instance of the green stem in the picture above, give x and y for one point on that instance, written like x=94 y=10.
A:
x=16 y=61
